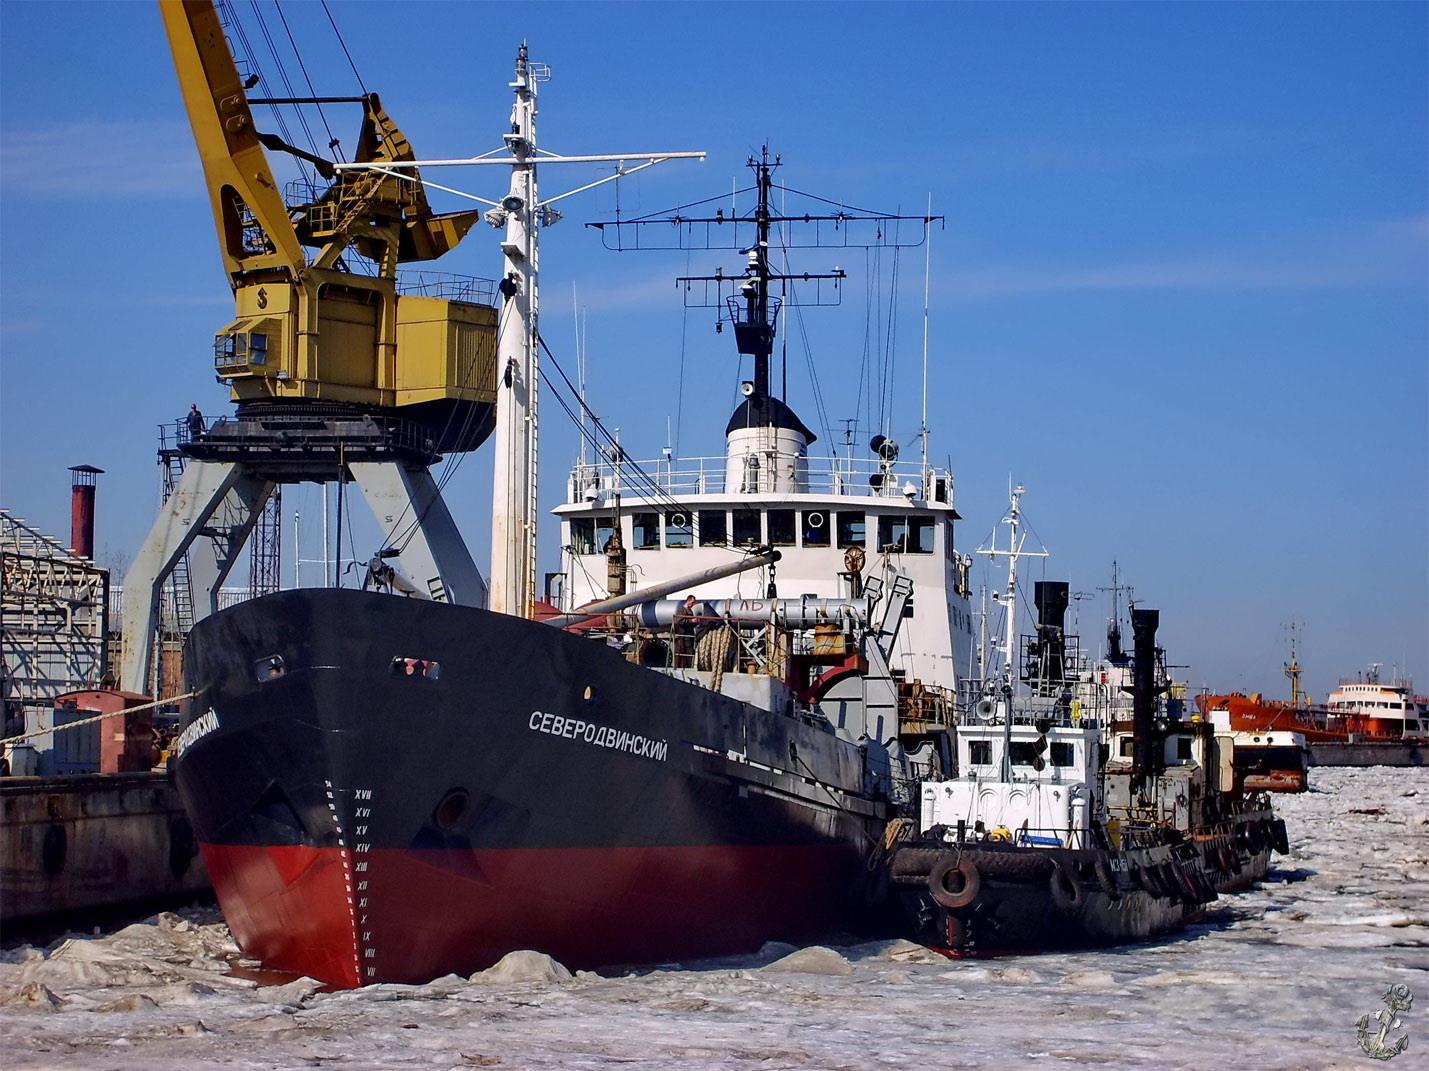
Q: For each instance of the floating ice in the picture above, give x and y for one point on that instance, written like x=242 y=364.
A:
x=1276 y=977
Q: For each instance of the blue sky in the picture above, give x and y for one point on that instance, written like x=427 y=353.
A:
x=1181 y=294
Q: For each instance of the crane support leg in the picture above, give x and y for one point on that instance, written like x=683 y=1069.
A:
x=214 y=506
x=413 y=518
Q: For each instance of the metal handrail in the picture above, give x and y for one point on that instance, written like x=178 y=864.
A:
x=704 y=475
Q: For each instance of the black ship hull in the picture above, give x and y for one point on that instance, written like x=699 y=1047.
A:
x=387 y=789
x=987 y=899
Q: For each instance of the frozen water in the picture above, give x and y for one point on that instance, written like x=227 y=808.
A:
x=1276 y=978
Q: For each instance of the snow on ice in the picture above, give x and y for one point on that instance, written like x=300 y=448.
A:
x=1275 y=978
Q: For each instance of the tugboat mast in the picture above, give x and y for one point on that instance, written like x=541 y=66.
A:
x=1014 y=551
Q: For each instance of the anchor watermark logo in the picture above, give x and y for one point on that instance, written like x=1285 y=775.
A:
x=1375 y=1042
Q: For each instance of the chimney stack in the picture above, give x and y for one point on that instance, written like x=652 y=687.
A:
x=81 y=510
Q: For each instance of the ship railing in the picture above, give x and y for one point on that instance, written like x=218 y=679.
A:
x=1398 y=683
x=442 y=284
x=832 y=477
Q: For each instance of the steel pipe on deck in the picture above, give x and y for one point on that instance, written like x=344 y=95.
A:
x=657 y=591
x=804 y=612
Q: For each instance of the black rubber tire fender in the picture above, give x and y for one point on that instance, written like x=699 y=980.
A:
x=1105 y=878
x=1251 y=838
x=1280 y=839
x=954 y=882
x=1186 y=884
x=1166 y=878
x=1023 y=865
x=915 y=862
x=1065 y=886
x=1144 y=879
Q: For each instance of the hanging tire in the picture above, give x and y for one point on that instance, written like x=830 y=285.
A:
x=954 y=882
x=1166 y=876
x=1066 y=887
x=1250 y=839
x=1105 y=878
x=1279 y=838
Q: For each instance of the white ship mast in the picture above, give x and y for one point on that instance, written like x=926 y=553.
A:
x=1014 y=551
x=523 y=214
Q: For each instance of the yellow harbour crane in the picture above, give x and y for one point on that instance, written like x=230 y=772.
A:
x=309 y=333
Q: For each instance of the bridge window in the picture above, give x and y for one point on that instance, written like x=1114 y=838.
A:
x=714 y=528
x=604 y=529
x=902 y=533
x=746 y=528
x=781 y=527
x=678 y=530
x=645 y=531
x=1064 y=754
x=979 y=752
x=816 y=528
x=1024 y=753
x=851 y=527
x=583 y=535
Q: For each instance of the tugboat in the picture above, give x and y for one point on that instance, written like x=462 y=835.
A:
x=393 y=783
x=1072 y=820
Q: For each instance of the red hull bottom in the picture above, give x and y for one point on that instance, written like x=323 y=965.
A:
x=391 y=915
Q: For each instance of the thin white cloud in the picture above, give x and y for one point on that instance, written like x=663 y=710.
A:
x=1388 y=253
x=100 y=159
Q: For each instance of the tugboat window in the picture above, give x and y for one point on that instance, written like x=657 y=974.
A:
x=645 y=531
x=746 y=528
x=714 y=531
x=851 y=526
x=583 y=535
x=816 y=528
x=781 y=527
x=1024 y=753
x=980 y=752
x=679 y=532
x=1063 y=754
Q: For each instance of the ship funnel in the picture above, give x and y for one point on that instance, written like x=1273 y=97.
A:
x=81 y=510
x=766 y=448
x=1049 y=670
x=1146 y=741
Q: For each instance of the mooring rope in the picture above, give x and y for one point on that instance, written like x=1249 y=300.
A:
x=101 y=717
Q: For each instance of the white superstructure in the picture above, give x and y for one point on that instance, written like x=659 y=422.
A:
x=822 y=515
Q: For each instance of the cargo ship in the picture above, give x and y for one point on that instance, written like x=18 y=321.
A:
x=412 y=778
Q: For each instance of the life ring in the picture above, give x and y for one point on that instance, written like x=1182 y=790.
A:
x=954 y=882
x=1225 y=858
x=1106 y=878
x=1066 y=887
